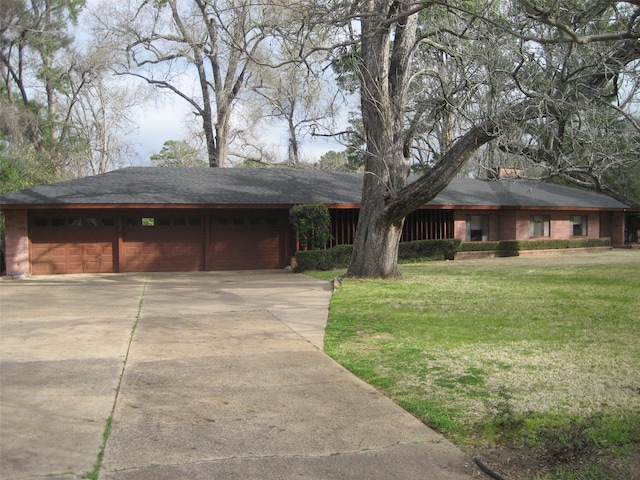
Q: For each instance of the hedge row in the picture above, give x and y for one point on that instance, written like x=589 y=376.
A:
x=426 y=250
x=520 y=245
x=340 y=255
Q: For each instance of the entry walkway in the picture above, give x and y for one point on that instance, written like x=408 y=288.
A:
x=207 y=375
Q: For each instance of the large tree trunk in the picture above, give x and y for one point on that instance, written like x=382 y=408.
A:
x=375 y=249
x=384 y=78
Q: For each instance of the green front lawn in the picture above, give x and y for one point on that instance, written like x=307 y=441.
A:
x=535 y=354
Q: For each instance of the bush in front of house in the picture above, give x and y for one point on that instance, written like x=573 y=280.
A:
x=508 y=247
x=560 y=244
x=340 y=255
x=427 y=250
x=312 y=223
x=329 y=259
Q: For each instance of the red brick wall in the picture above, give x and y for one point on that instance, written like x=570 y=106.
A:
x=560 y=224
x=17 y=244
x=515 y=224
x=459 y=224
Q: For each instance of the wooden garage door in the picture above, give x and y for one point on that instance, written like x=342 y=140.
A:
x=72 y=244
x=247 y=240
x=163 y=244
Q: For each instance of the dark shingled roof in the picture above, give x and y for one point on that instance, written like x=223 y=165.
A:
x=266 y=186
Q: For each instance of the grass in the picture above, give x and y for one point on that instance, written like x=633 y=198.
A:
x=541 y=352
x=95 y=473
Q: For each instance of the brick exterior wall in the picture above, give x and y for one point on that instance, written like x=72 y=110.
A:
x=515 y=224
x=460 y=224
x=17 y=244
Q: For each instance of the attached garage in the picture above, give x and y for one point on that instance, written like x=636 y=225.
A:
x=148 y=241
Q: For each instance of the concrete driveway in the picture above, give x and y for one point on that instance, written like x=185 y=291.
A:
x=205 y=375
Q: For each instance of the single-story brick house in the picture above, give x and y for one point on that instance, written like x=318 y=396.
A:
x=142 y=219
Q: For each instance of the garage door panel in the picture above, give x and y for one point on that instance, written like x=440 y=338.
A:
x=71 y=242
x=76 y=267
x=249 y=242
x=163 y=244
x=71 y=258
x=164 y=257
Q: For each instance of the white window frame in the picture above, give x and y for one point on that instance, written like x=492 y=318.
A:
x=540 y=226
x=581 y=221
x=476 y=221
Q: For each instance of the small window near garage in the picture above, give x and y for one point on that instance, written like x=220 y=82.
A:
x=222 y=221
x=238 y=221
x=41 y=222
x=477 y=228
x=57 y=222
x=180 y=222
x=131 y=222
x=254 y=221
x=195 y=222
x=272 y=221
x=539 y=226
x=148 y=222
x=75 y=222
x=108 y=222
x=578 y=225
x=91 y=222
x=162 y=222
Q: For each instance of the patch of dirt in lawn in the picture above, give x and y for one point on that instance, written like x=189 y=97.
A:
x=514 y=462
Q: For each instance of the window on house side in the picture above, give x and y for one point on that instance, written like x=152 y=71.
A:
x=539 y=226
x=578 y=225
x=477 y=228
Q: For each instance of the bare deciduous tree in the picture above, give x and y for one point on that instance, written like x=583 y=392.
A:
x=214 y=41
x=101 y=111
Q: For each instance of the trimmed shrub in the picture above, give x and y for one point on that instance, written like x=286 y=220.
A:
x=340 y=255
x=427 y=250
x=330 y=259
x=430 y=250
x=507 y=247
x=479 y=247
